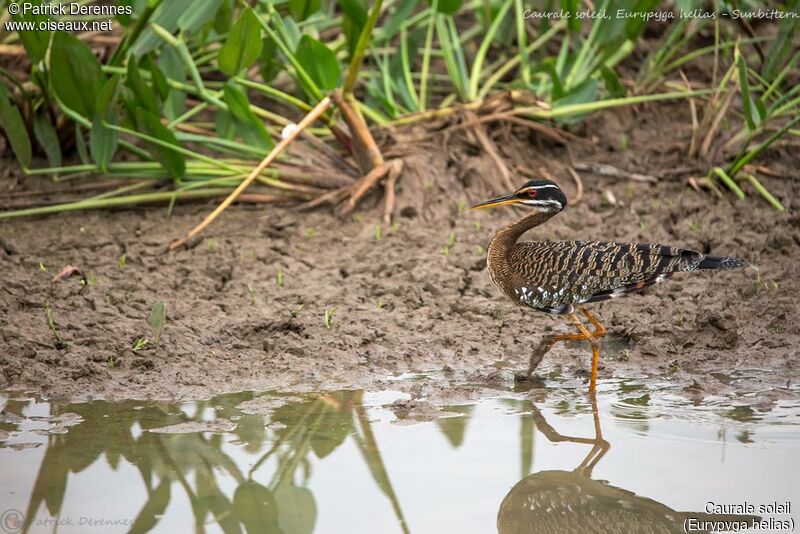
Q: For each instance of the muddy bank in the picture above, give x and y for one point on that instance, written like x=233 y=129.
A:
x=409 y=298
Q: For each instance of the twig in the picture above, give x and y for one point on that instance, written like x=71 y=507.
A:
x=312 y=115
x=389 y=194
x=366 y=151
x=489 y=146
x=609 y=170
x=578 y=184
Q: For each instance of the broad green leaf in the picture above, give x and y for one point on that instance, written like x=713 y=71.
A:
x=319 y=62
x=172 y=161
x=202 y=13
x=353 y=21
x=12 y=123
x=103 y=141
x=106 y=96
x=165 y=15
x=224 y=124
x=75 y=74
x=255 y=507
x=243 y=45
x=269 y=64
x=157 y=77
x=250 y=127
x=398 y=18
x=302 y=9
x=224 y=18
x=612 y=83
x=47 y=138
x=173 y=68
x=143 y=94
x=297 y=510
x=35 y=41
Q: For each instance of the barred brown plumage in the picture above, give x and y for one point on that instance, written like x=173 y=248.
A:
x=555 y=276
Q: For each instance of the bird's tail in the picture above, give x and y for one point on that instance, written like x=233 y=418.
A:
x=720 y=262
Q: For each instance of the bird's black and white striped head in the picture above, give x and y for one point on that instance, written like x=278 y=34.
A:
x=543 y=195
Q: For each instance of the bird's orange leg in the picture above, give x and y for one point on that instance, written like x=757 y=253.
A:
x=595 y=347
x=545 y=345
x=599 y=329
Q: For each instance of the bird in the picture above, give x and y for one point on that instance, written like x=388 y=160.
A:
x=572 y=501
x=559 y=277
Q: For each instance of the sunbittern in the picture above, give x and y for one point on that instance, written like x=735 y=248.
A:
x=555 y=276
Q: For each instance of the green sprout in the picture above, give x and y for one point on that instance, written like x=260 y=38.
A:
x=378 y=232
x=158 y=319
x=121 y=262
x=252 y=293
x=140 y=343
x=58 y=341
x=328 y=317
x=279 y=278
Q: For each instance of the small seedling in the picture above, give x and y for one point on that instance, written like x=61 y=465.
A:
x=481 y=250
x=121 y=262
x=461 y=206
x=279 y=278
x=42 y=267
x=328 y=319
x=252 y=292
x=378 y=232
x=623 y=142
x=477 y=225
x=394 y=228
x=379 y=304
x=157 y=320
x=140 y=343
x=296 y=310
x=309 y=233
x=58 y=341
x=674 y=366
x=359 y=217
x=694 y=226
x=451 y=239
x=446 y=251
x=112 y=361
x=211 y=245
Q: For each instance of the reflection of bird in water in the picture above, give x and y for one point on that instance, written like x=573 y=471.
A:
x=554 y=276
x=572 y=502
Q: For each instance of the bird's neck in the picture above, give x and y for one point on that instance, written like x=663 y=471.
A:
x=502 y=243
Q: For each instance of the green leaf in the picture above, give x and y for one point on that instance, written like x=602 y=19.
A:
x=12 y=123
x=173 y=68
x=157 y=319
x=353 y=21
x=75 y=74
x=80 y=145
x=47 y=138
x=224 y=124
x=748 y=107
x=224 y=18
x=165 y=15
x=172 y=161
x=143 y=94
x=243 y=45
x=320 y=63
x=35 y=41
x=103 y=141
x=398 y=17
x=157 y=77
x=200 y=14
x=106 y=96
x=302 y=9
x=612 y=83
x=448 y=7
x=269 y=63
x=248 y=125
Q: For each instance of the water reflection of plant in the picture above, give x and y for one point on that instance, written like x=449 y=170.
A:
x=273 y=502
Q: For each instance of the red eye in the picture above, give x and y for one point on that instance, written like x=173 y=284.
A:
x=532 y=193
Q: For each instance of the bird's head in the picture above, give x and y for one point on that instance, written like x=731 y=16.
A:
x=543 y=195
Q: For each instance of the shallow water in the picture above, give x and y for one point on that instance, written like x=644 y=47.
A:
x=639 y=459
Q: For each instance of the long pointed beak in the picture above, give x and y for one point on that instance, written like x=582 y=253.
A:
x=499 y=201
